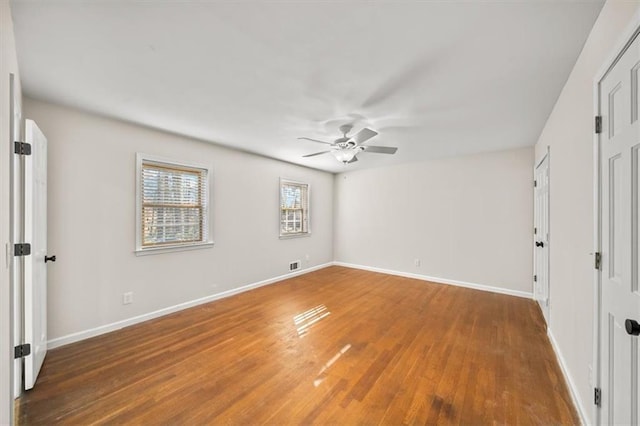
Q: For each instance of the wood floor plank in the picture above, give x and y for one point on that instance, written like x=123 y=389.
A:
x=335 y=346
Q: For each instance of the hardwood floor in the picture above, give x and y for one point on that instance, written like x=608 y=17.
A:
x=336 y=346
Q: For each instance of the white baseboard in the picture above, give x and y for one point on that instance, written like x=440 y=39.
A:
x=475 y=286
x=573 y=390
x=85 y=334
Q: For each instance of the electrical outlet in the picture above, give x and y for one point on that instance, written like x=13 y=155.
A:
x=416 y=262
x=127 y=298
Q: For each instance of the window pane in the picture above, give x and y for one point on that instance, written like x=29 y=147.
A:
x=161 y=225
x=174 y=206
x=169 y=186
x=291 y=197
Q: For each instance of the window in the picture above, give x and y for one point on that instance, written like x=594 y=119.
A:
x=172 y=205
x=294 y=208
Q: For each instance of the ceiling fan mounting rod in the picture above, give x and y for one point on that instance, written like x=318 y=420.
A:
x=346 y=128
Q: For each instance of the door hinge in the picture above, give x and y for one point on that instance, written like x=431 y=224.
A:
x=535 y=231
x=597 y=396
x=22 y=148
x=535 y=183
x=21 y=351
x=598 y=260
x=535 y=278
x=598 y=124
x=22 y=249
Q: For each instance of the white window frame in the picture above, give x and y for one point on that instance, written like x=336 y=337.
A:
x=161 y=161
x=288 y=235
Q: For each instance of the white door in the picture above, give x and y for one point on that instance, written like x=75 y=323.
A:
x=620 y=205
x=35 y=290
x=541 y=236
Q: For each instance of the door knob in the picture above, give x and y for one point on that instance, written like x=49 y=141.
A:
x=632 y=326
x=49 y=258
x=539 y=244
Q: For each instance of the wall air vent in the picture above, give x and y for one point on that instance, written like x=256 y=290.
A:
x=294 y=266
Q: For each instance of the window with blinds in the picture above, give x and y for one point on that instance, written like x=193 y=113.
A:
x=294 y=208
x=172 y=204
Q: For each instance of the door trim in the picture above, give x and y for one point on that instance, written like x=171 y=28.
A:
x=628 y=35
x=15 y=234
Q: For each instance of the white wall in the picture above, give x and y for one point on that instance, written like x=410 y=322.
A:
x=569 y=133
x=8 y=65
x=92 y=221
x=466 y=218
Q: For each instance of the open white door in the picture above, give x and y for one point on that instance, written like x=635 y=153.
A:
x=541 y=236
x=620 y=243
x=35 y=291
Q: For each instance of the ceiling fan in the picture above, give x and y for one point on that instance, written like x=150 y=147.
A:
x=346 y=147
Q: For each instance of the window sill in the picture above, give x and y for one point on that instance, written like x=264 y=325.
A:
x=159 y=250
x=289 y=236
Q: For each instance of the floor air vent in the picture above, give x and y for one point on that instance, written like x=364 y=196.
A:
x=294 y=266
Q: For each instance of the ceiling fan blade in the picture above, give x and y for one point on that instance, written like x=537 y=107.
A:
x=353 y=160
x=364 y=135
x=317 y=153
x=381 y=149
x=316 y=140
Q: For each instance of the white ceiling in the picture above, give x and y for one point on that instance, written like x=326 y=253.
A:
x=435 y=78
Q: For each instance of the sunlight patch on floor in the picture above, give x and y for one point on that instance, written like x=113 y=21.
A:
x=307 y=319
x=321 y=375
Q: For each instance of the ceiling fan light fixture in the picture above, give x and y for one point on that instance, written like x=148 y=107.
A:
x=344 y=155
